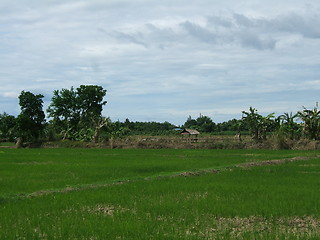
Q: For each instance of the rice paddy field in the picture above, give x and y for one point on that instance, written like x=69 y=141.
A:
x=159 y=194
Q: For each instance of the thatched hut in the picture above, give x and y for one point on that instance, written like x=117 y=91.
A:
x=192 y=134
x=189 y=132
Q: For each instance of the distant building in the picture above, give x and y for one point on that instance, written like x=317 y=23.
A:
x=190 y=132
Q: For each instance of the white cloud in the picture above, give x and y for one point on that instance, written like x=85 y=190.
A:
x=163 y=58
x=10 y=94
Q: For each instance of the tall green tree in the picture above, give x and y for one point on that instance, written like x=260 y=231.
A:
x=31 y=120
x=77 y=114
x=65 y=111
x=90 y=103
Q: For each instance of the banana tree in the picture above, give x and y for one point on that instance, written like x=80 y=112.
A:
x=289 y=126
x=311 y=122
x=258 y=124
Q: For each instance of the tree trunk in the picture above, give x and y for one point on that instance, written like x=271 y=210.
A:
x=100 y=125
x=19 y=143
x=96 y=135
x=111 y=142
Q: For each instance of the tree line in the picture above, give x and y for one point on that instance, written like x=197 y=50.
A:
x=76 y=114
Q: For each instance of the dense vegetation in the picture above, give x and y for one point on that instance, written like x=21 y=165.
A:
x=158 y=194
x=76 y=114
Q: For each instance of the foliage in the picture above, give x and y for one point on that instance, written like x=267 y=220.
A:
x=311 y=122
x=202 y=124
x=145 y=128
x=64 y=111
x=205 y=125
x=76 y=114
x=31 y=120
x=258 y=125
x=289 y=127
x=234 y=125
x=7 y=127
x=190 y=123
x=116 y=129
x=90 y=103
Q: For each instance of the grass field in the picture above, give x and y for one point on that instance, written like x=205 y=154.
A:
x=159 y=194
x=7 y=144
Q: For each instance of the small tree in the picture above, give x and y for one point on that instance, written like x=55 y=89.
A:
x=102 y=123
x=288 y=125
x=31 y=120
x=311 y=122
x=7 y=127
x=258 y=125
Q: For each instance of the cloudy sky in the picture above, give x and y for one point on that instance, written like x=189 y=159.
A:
x=164 y=60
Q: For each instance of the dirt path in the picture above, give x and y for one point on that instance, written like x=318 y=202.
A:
x=245 y=165
x=275 y=162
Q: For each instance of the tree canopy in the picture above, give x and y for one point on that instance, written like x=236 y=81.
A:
x=76 y=112
x=311 y=122
x=7 y=127
x=31 y=120
x=202 y=123
x=258 y=124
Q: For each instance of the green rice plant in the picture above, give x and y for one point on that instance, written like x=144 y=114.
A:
x=164 y=195
x=25 y=171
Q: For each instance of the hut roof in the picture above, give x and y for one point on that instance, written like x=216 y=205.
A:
x=190 y=131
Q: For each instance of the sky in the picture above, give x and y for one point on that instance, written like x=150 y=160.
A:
x=164 y=60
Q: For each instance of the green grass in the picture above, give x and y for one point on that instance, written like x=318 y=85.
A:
x=261 y=202
x=7 y=144
x=24 y=171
